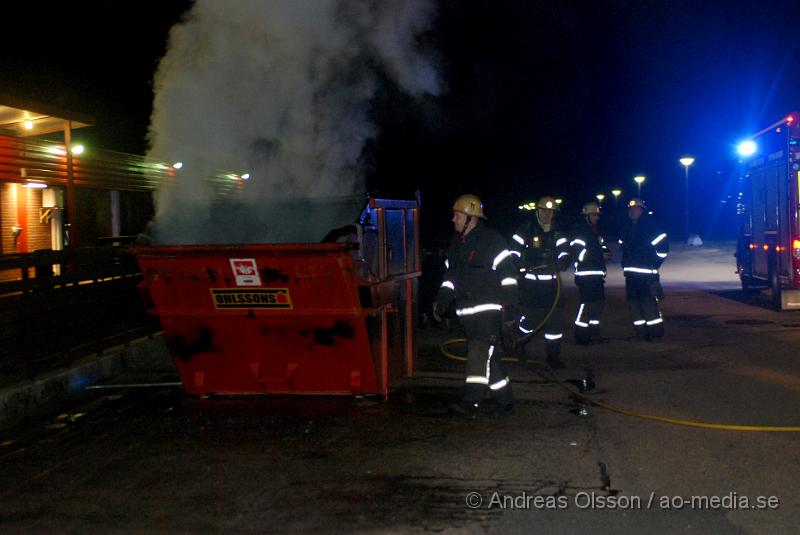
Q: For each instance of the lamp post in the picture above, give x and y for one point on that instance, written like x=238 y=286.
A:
x=600 y=198
x=686 y=161
x=616 y=192
x=639 y=179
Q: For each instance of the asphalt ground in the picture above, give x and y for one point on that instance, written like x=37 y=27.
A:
x=154 y=460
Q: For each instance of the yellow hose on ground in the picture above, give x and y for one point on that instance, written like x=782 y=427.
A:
x=614 y=408
x=675 y=421
x=629 y=412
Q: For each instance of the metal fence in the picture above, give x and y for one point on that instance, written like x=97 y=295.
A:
x=58 y=306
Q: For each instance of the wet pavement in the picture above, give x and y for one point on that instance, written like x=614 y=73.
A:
x=153 y=460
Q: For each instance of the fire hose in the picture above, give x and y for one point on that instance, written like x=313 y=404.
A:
x=608 y=406
x=664 y=419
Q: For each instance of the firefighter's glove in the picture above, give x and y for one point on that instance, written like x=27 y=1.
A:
x=438 y=312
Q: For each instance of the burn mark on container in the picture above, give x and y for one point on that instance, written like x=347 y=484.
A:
x=326 y=337
x=269 y=274
x=184 y=349
x=153 y=274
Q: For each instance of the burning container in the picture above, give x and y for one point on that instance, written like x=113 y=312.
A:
x=300 y=318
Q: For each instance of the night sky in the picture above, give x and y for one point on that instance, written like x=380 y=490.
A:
x=568 y=98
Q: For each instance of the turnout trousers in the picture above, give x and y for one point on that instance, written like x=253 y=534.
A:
x=485 y=369
x=592 y=296
x=537 y=301
x=641 y=294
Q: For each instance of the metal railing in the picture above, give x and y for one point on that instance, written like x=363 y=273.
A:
x=58 y=306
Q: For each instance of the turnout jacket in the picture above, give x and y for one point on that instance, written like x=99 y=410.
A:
x=479 y=273
x=539 y=254
x=588 y=248
x=644 y=248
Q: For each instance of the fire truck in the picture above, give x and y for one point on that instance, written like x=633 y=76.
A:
x=768 y=243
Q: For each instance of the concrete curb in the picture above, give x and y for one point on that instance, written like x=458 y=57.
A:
x=28 y=400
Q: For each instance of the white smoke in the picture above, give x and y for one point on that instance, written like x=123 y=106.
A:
x=279 y=89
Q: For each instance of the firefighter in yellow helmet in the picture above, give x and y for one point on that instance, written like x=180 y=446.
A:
x=479 y=280
x=589 y=255
x=541 y=251
x=644 y=249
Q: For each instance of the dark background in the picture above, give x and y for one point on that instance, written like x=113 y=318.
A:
x=549 y=97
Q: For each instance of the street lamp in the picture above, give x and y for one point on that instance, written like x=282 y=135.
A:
x=639 y=179
x=600 y=197
x=686 y=161
x=616 y=192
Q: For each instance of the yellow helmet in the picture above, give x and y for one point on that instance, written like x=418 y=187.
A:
x=547 y=202
x=590 y=208
x=469 y=205
x=636 y=202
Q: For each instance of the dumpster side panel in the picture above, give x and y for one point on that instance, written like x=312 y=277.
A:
x=316 y=283
x=291 y=324
x=263 y=355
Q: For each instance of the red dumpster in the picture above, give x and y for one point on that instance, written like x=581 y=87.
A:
x=333 y=318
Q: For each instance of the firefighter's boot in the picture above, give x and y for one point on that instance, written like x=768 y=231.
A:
x=553 y=351
x=464 y=409
x=655 y=332
x=641 y=331
x=583 y=336
x=596 y=336
x=526 y=352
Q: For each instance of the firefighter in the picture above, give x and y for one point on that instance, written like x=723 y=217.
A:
x=542 y=252
x=479 y=279
x=644 y=248
x=589 y=253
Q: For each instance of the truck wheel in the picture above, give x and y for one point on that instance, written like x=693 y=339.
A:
x=747 y=285
x=775 y=289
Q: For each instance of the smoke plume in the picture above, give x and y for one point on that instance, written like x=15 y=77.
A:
x=279 y=89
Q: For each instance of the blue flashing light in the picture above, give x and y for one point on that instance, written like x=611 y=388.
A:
x=747 y=148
